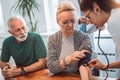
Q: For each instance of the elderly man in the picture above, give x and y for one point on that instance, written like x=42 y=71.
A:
x=27 y=49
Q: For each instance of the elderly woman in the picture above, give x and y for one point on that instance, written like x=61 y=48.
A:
x=67 y=47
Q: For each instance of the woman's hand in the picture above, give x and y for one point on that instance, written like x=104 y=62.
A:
x=96 y=63
x=75 y=56
x=84 y=20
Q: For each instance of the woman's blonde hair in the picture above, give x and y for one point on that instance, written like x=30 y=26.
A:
x=65 y=6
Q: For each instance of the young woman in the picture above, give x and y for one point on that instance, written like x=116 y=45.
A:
x=100 y=12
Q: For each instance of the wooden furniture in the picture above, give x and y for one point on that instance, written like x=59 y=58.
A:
x=45 y=75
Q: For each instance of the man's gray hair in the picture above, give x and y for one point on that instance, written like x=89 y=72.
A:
x=14 y=18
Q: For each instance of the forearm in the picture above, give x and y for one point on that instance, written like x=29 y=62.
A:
x=2 y=64
x=85 y=73
x=55 y=65
x=40 y=64
x=114 y=64
x=65 y=62
x=58 y=65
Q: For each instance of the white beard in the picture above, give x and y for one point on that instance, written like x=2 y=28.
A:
x=22 y=37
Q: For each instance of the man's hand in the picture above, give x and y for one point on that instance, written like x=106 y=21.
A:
x=10 y=71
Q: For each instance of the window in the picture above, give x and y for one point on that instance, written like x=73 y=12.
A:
x=2 y=26
x=50 y=7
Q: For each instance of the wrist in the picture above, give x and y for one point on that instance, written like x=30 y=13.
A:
x=16 y=72
x=104 y=67
x=68 y=60
x=23 y=72
x=65 y=64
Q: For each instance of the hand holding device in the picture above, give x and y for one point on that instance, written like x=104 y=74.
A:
x=85 y=60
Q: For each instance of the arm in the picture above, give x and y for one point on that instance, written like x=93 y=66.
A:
x=84 y=42
x=75 y=56
x=53 y=62
x=8 y=70
x=39 y=51
x=96 y=63
x=85 y=72
x=40 y=64
x=14 y=71
x=2 y=64
x=114 y=64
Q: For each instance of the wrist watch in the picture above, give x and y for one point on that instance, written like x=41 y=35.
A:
x=23 y=71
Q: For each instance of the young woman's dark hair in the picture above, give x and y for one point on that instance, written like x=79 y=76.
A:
x=105 y=5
